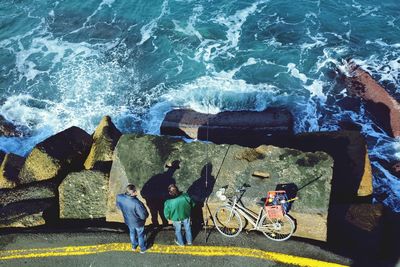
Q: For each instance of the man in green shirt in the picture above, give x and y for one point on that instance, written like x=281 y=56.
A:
x=177 y=209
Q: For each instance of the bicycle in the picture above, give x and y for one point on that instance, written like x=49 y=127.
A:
x=229 y=223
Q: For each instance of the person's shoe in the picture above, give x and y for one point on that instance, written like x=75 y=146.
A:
x=176 y=242
x=134 y=248
x=142 y=251
x=189 y=244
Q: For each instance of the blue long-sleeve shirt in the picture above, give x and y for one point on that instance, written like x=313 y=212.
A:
x=132 y=208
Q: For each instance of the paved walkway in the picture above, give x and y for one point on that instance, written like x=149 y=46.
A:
x=207 y=251
x=114 y=249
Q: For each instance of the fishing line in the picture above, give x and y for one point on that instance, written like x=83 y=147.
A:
x=207 y=163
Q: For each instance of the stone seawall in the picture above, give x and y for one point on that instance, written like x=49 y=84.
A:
x=205 y=168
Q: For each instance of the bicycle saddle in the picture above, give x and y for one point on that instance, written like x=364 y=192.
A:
x=261 y=202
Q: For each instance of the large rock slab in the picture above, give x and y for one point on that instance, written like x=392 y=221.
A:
x=232 y=124
x=352 y=175
x=352 y=169
x=105 y=139
x=33 y=191
x=204 y=168
x=25 y=213
x=65 y=151
x=83 y=195
x=384 y=108
x=10 y=169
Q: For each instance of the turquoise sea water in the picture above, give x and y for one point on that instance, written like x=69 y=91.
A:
x=65 y=63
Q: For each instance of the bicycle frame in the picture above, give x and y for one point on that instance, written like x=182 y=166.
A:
x=251 y=216
x=274 y=228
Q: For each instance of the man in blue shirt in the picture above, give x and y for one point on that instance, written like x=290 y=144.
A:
x=135 y=215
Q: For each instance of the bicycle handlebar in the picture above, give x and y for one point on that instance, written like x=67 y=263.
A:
x=242 y=188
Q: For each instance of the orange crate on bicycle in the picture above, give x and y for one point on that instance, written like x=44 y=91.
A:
x=273 y=204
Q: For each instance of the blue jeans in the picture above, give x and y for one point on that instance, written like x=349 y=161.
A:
x=178 y=231
x=137 y=234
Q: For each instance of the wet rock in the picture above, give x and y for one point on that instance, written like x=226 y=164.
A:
x=9 y=170
x=307 y=175
x=65 y=151
x=229 y=124
x=396 y=169
x=364 y=216
x=25 y=213
x=83 y=195
x=384 y=108
x=105 y=139
x=8 y=129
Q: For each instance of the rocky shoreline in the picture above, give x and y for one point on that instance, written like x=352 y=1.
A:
x=74 y=176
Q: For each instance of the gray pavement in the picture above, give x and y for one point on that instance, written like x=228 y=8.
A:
x=13 y=241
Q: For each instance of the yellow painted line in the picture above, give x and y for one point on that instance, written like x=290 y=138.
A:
x=204 y=251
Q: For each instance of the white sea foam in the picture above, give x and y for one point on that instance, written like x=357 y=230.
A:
x=212 y=94
x=318 y=41
x=190 y=28
x=316 y=89
x=391 y=184
x=85 y=90
x=147 y=30
x=296 y=73
x=387 y=69
x=98 y=9
x=331 y=56
x=210 y=49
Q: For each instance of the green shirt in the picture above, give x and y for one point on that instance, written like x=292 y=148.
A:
x=178 y=209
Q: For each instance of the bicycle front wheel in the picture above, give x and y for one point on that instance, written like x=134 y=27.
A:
x=228 y=221
x=278 y=229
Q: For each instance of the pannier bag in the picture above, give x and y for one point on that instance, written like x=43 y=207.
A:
x=276 y=204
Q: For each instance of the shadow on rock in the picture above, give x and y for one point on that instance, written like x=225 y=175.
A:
x=155 y=192
x=199 y=191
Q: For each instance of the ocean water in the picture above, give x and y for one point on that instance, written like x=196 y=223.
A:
x=65 y=63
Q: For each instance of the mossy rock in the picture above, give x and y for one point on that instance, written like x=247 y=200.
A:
x=83 y=195
x=61 y=153
x=9 y=170
x=25 y=213
x=33 y=191
x=105 y=139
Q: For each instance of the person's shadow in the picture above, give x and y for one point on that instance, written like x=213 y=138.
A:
x=199 y=191
x=155 y=192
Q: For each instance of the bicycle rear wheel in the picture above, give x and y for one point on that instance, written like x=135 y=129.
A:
x=228 y=221
x=278 y=229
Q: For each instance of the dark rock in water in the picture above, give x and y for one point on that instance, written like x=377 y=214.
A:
x=65 y=151
x=350 y=103
x=25 y=213
x=384 y=108
x=396 y=169
x=346 y=125
x=33 y=191
x=9 y=170
x=8 y=129
x=83 y=195
x=105 y=139
x=141 y=160
x=236 y=125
